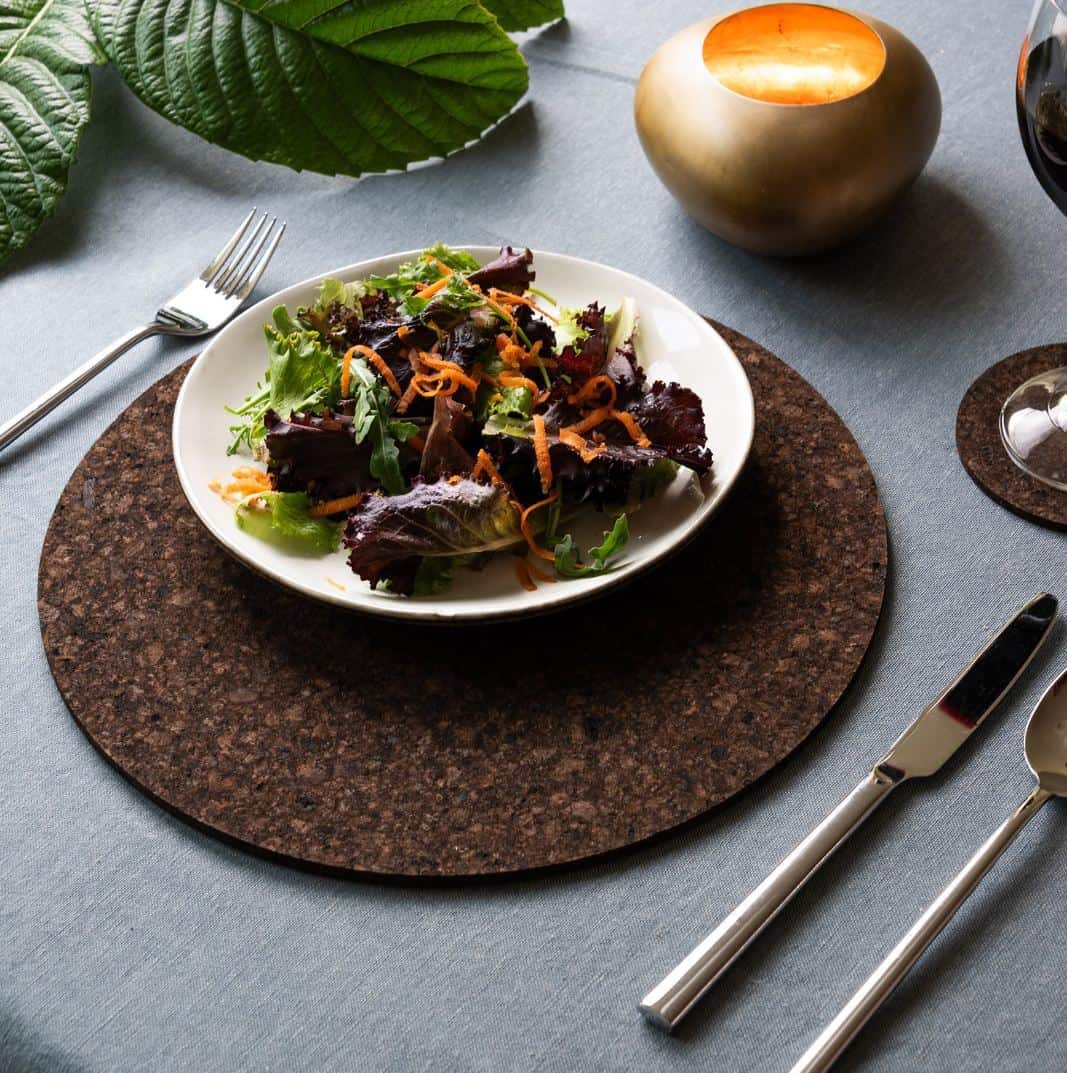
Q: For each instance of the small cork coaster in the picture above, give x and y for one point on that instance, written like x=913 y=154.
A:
x=358 y=746
x=981 y=450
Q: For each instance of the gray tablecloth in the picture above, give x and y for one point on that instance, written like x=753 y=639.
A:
x=130 y=942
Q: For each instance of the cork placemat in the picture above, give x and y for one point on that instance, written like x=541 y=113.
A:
x=354 y=745
x=981 y=450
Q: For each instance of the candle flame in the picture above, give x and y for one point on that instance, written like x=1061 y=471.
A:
x=794 y=54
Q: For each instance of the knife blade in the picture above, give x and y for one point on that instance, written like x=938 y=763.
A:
x=939 y=730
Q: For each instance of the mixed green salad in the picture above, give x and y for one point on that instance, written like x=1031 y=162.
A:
x=431 y=417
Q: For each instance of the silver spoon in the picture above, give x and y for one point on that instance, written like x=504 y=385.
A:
x=1046 y=753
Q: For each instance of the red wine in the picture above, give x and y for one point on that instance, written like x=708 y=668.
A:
x=1041 y=97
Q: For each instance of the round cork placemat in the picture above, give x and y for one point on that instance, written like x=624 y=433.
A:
x=981 y=450
x=364 y=746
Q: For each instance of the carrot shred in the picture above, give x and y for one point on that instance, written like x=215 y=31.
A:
x=587 y=451
x=524 y=525
x=591 y=420
x=440 y=264
x=517 y=380
x=408 y=397
x=544 y=462
x=522 y=570
x=484 y=464
x=591 y=387
x=430 y=289
x=346 y=371
x=540 y=574
x=335 y=506
x=403 y=331
x=381 y=365
x=522 y=300
x=417 y=442
x=629 y=422
x=451 y=369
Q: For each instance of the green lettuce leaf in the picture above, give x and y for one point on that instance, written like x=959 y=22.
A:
x=46 y=47
x=434 y=576
x=333 y=86
x=569 y=332
x=286 y=523
x=302 y=375
x=568 y=561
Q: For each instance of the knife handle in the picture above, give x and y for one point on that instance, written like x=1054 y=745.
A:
x=676 y=994
x=837 y=1035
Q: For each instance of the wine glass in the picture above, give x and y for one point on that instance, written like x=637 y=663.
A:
x=1033 y=421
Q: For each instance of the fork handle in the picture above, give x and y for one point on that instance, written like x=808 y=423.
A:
x=676 y=994
x=11 y=430
x=837 y=1035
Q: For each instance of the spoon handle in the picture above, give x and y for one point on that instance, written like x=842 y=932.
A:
x=837 y=1035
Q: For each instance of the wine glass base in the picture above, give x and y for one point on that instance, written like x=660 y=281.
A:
x=1033 y=427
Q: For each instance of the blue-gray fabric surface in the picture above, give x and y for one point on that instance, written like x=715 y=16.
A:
x=129 y=942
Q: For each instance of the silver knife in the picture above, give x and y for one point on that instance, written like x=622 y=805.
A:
x=921 y=750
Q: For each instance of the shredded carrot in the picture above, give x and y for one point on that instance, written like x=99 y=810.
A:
x=522 y=569
x=403 y=331
x=574 y=441
x=408 y=397
x=417 y=442
x=539 y=573
x=431 y=386
x=335 y=506
x=451 y=369
x=517 y=380
x=591 y=388
x=346 y=371
x=484 y=464
x=629 y=422
x=591 y=420
x=430 y=289
x=522 y=300
x=381 y=365
x=524 y=525
x=440 y=264
x=247 y=481
x=544 y=462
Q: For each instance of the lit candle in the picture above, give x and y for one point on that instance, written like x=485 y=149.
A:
x=790 y=127
x=794 y=54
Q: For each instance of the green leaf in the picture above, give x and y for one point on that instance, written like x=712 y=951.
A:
x=434 y=575
x=334 y=86
x=46 y=47
x=568 y=561
x=286 y=523
x=524 y=14
x=302 y=375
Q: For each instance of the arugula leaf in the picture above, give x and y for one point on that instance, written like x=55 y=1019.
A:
x=568 y=561
x=286 y=523
x=524 y=14
x=46 y=47
x=302 y=374
x=334 y=87
x=371 y=419
x=434 y=575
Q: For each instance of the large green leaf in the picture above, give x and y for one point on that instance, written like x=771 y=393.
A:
x=524 y=14
x=45 y=49
x=335 y=86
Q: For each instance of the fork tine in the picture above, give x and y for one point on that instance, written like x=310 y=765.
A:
x=209 y=273
x=250 y=285
x=235 y=266
x=255 y=262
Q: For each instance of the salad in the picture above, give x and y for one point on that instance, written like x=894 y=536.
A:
x=426 y=419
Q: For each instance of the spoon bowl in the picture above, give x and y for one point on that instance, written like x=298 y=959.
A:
x=1046 y=738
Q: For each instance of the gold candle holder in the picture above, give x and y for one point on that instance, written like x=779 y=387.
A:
x=788 y=128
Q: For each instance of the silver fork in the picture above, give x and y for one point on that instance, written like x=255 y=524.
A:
x=198 y=309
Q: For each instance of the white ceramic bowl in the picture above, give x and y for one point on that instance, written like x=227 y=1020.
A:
x=673 y=344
